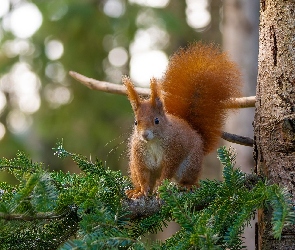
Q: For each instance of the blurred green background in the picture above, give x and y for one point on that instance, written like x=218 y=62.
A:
x=41 y=41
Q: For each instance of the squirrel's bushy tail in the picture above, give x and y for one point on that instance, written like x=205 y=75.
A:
x=197 y=86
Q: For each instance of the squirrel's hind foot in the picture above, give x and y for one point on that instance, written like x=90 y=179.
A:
x=135 y=193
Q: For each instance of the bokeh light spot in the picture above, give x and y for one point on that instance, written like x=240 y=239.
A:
x=4 y=7
x=114 y=8
x=3 y=101
x=54 y=49
x=2 y=131
x=24 y=88
x=197 y=14
x=24 y=21
x=15 y=47
x=55 y=71
x=146 y=65
x=118 y=56
x=57 y=95
x=18 y=122
x=151 y=3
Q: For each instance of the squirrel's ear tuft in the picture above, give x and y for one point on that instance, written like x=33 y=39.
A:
x=131 y=93
x=155 y=95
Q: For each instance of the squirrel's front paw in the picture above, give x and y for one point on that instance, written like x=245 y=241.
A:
x=135 y=193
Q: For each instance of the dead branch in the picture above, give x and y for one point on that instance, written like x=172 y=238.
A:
x=243 y=102
x=238 y=139
x=105 y=86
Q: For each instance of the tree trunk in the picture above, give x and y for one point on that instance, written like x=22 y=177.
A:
x=274 y=126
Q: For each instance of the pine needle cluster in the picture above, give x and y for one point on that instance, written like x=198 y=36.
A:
x=57 y=210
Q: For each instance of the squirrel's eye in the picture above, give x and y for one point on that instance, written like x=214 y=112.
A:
x=157 y=121
x=135 y=122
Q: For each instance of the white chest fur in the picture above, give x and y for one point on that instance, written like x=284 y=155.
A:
x=154 y=155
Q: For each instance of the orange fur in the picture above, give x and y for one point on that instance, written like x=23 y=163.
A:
x=197 y=84
x=182 y=119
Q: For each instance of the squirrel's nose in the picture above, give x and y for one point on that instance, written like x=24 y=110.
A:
x=147 y=135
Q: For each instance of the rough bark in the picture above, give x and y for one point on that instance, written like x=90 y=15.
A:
x=274 y=126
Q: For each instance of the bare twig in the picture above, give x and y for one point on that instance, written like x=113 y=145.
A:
x=244 y=102
x=105 y=86
x=238 y=139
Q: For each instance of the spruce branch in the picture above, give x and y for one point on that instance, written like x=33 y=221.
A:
x=46 y=209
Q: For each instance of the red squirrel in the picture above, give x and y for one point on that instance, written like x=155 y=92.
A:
x=181 y=122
